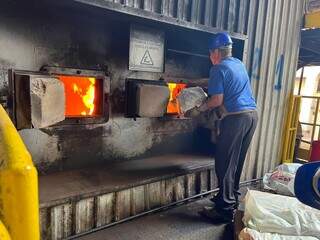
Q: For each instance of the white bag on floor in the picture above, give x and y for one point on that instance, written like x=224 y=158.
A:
x=251 y=234
x=272 y=213
x=191 y=97
x=282 y=179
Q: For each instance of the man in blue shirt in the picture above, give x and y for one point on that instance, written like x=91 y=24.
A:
x=229 y=88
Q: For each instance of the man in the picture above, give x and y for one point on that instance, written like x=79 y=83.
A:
x=229 y=88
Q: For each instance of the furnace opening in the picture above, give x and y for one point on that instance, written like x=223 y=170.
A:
x=175 y=89
x=83 y=96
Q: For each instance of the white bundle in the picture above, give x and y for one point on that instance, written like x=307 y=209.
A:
x=190 y=98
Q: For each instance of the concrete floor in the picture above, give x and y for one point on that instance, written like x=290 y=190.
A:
x=182 y=222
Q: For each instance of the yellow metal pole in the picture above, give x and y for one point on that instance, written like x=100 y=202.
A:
x=286 y=139
x=4 y=235
x=19 y=204
x=312 y=20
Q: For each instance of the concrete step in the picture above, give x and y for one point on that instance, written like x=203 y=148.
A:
x=73 y=202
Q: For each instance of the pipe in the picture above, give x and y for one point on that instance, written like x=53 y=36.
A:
x=156 y=210
x=19 y=209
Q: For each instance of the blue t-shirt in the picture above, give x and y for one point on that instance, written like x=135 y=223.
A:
x=231 y=79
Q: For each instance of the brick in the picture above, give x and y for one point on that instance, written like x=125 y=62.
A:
x=123 y=204
x=47 y=101
x=152 y=100
x=61 y=221
x=137 y=200
x=84 y=215
x=179 y=188
x=153 y=195
x=168 y=191
x=204 y=181
x=105 y=209
x=191 y=186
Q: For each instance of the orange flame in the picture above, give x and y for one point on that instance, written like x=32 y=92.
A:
x=173 y=105
x=80 y=95
x=88 y=98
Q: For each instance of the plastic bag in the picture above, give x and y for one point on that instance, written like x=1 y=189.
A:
x=282 y=179
x=272 y=213
x=251 y=234
x=190 y=98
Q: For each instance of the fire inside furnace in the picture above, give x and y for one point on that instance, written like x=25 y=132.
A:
x=83 y=96
x=173 y=105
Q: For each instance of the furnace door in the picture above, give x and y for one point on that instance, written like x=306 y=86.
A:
x=37 y=100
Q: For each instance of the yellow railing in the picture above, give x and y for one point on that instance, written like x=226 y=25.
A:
x=19 y=204
x=4 y=235
x=289 y=136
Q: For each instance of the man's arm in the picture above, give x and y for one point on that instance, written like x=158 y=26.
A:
x=215 y=89
x=213 y=102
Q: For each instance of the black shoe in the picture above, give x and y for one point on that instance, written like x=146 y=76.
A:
x=218 y=217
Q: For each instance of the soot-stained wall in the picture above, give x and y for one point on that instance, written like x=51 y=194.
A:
x=33 y=35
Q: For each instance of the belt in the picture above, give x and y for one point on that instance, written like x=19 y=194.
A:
x=225 y=113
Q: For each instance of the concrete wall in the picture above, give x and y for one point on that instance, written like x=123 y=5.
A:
x=33 y=35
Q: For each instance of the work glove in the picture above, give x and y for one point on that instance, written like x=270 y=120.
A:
x=192 y=113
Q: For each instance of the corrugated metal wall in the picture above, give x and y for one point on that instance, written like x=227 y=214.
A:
x=272 y=29
x=230 y=15
x=274 y=37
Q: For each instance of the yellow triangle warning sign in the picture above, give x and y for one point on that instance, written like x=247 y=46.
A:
x=146 y=59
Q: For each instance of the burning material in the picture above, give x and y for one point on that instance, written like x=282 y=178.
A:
x=175 y=89
x=81 y=96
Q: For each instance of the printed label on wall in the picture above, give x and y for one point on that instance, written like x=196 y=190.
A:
x=146 y=49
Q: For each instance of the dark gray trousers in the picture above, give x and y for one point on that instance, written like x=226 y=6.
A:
x=236 y=132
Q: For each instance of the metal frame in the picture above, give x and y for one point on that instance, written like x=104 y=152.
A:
x=49 y=71
x=314 y=122
x=84 y=73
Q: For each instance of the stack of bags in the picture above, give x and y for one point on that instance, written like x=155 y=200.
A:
x=275 y=217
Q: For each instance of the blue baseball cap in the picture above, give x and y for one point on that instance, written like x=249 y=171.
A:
x=220 y=40
x=307 y=184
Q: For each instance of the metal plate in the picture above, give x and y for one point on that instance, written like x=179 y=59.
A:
x=146 y=49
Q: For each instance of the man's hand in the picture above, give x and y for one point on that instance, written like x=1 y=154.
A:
x=194 y=112
x=214 y=101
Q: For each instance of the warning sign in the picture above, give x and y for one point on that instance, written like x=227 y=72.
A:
x=146 y=49
x=146 y=59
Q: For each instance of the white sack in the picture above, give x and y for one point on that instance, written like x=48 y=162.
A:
x=251 y=234
x=272 y=213
x=281 y=180
x=190 y=98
